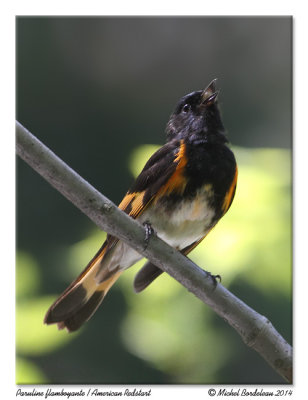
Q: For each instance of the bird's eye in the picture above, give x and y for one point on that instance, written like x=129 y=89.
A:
x=186 y=108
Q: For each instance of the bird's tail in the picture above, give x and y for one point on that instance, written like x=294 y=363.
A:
x=81 y=299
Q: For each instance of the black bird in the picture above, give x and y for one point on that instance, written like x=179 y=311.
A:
x=183 y=190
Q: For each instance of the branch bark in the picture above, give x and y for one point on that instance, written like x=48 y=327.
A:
x=256 y=330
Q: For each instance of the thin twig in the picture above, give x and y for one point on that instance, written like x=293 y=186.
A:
x=256 y=330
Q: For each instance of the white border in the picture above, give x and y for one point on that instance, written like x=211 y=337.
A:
x=7 y=36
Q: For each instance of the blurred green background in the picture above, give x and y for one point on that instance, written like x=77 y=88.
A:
x=98 y=92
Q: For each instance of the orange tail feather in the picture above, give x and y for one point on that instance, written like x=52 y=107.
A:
x=81 y=299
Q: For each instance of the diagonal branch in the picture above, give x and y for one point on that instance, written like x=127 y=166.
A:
x=256 y=330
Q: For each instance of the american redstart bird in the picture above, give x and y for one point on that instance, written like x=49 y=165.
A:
x=183 y=190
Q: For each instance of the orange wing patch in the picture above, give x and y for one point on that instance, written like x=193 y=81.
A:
x=128 y=198
x=133 y=203
x=177 y=182
x=230 y=194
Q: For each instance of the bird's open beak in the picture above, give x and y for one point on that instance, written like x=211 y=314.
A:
x=209 y=94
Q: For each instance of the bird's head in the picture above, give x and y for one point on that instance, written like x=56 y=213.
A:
x=196 y=113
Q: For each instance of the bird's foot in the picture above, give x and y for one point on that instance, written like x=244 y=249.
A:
x=149 y=231
x=215 y=278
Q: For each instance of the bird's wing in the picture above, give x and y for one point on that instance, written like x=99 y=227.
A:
x=160 y=175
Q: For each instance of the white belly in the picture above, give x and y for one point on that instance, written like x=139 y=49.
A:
x=186 y=224
x=180 y=228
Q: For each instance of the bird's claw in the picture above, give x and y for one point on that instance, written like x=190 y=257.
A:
x=214 y=279
x=149 y=231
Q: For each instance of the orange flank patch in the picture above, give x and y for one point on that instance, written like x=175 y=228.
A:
x=230 y=194
x=177 y=182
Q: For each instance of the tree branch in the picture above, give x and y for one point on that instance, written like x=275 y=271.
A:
x=256 y=330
